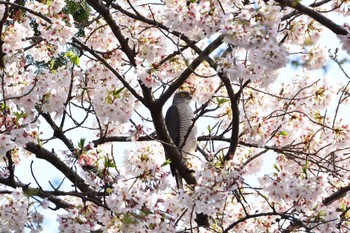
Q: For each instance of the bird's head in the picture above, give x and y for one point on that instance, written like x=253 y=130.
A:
x=182 y=97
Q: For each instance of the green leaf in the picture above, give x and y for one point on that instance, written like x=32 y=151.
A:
x=128 y=219
x=284 y=133
x=221 y=100
x=81 y=143
x=109 y=163
x=276 y=167
x=117 y=92
x=209 y=129
x=342 y=206
x=109 y=190
x=218 y=163
x=29 y=192
x=52 y=64
x=3 y=106
x=304 y=169
x=74 y=58
x=167 y=162
x=20 y=115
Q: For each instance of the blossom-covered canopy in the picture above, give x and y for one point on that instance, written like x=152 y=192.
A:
x=84 y=85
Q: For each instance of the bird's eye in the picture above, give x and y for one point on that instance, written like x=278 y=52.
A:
x=183 y=94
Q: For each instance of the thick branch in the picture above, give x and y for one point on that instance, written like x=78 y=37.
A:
x=11 y=168
x=155 y=108
x=42 y=153
x=337 y=195
x=315 y=15
x=234 y=99
x=200 y=138
x=37 y=192
x=295 y=12
x=189 y=70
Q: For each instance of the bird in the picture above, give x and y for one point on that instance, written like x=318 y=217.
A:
x=182 y=129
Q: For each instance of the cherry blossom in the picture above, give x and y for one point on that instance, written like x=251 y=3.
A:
x=345 y=39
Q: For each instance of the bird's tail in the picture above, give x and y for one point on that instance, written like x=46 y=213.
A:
x=201 y=219
x=179 y=182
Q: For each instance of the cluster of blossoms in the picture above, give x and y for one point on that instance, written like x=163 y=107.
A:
x=345 y=39
x=196 y=20
x=16 y=211
x=291 y=105
x=81 y=219
x=215 y=186
x=14 y=37
x=316 y=57
x=113 y=103
x=143 y=165
x=101 y=37
x=293 y=186
x=148 y=77
x=203 y=84
x=305 y=31
x=131 y=198
x=23 y=86
x=59 y=31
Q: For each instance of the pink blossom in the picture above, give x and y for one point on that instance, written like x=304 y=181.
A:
x=345 y=39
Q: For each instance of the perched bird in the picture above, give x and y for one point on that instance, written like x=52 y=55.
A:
x=182 y=130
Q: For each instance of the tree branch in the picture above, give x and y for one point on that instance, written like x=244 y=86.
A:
x=295 y=12
x=104 y=11
x=234 y=99
x=57 y=131
x=38 y=14
x=315 y=15
x=294 y=220
x=104 y=62
x=337 y=195
x=203 y=56
x=37 y=192
x=42 y=153
x=11 y=168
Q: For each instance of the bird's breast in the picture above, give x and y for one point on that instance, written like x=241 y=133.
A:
x=186 y=127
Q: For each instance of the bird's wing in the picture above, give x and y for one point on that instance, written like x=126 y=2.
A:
x=172 y=120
